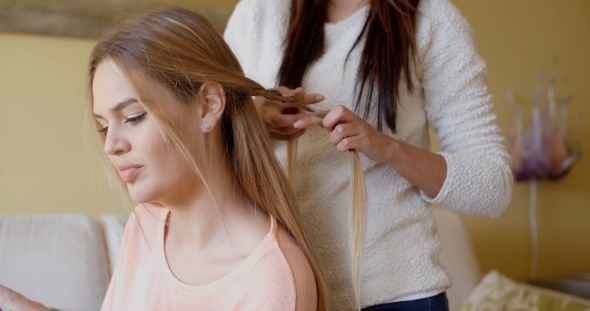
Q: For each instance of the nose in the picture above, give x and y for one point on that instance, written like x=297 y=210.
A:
x=115 y=143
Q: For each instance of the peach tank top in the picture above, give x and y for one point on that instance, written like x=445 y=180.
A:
x=276 y=276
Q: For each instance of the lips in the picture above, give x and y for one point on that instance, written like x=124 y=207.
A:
x=128 y=172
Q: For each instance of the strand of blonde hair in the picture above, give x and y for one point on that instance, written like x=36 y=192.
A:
x=357 y=209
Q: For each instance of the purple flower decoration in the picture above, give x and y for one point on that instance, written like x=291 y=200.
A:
x=541 y=150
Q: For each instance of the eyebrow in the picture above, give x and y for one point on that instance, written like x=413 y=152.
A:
x=118 y=106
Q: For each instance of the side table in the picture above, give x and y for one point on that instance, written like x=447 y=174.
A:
x=576 y=284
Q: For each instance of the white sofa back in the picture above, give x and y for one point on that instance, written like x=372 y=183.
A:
x=65 y=260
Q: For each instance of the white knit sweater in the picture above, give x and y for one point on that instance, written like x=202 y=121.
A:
x=402 y=245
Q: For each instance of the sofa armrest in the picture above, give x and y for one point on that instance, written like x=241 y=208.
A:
x=59 y=260
x=113 y=226
x=457 y=256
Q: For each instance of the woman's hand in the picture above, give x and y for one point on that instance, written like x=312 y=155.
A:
x=422 y=168
x=16 y=302
x=276 y=117
x=350 y=131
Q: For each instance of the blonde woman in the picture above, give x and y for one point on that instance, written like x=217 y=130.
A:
x=387 y=71
x=216 y=227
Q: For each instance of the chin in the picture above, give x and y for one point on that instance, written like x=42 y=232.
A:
x=141 y=194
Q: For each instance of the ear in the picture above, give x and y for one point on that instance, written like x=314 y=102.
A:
x=213 y=105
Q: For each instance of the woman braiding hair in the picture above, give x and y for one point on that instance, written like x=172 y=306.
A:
x=384 y=72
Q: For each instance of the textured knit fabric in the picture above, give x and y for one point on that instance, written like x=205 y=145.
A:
x=402 y=245
x=276 y=276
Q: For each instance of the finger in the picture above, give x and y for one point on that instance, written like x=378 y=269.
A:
x=310 y=99
x=15 y=301
x=342 y=131
x=7 y=296
x=285 y=91
x=307 y=99
x=349 y=143
x=276 y=105
x=266 y=107
x=339 y=114
x=306 y=122
x=283 y=120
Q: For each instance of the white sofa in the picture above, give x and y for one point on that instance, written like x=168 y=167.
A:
x=65 y=260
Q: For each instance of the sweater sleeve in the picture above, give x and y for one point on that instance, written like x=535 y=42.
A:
x=459 y=109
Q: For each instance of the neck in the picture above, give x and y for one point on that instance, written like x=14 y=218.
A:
x=197 y=220
x=339 y=10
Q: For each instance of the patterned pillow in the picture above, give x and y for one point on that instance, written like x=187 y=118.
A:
x=497 y=292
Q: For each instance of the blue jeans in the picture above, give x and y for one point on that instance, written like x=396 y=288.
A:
x=434 y=303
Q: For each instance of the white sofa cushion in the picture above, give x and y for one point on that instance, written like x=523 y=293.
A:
x=59 y=260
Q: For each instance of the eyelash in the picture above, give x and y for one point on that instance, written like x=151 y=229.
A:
x=132 y=121
x=135 y=120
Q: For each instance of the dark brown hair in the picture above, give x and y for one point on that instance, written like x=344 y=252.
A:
x=389 y=50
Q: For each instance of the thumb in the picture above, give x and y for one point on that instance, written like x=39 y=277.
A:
x=16 y=302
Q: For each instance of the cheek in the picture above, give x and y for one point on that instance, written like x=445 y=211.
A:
x=152 y=145
x=168 y=164
x=168 y=173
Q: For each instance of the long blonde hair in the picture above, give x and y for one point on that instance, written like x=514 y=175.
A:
x=357 y=206
x=181 y=50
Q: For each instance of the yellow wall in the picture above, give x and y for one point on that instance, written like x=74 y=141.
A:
x=45 y=166
x=518 y=39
